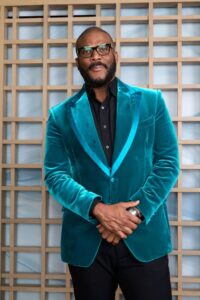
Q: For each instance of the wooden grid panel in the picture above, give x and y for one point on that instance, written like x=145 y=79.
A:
x=10 y=24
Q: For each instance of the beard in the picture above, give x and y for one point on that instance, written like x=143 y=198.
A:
x=98 y=82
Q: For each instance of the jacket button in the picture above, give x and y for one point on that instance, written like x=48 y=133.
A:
x=112 y=179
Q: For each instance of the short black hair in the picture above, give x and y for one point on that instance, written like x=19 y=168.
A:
x=90 y=29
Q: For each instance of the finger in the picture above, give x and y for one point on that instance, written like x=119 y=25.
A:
x=131 y=203
x=116 y=240
x=121 y=235
x=127 y=230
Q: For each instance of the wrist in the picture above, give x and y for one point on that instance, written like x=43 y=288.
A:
x=97 y=211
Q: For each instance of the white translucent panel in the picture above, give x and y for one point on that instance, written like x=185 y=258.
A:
x=191 y=238
x=173 y=265
x=53 y=235
x=191 y=131
x=77 y=78
x=8 y=54
x=191 y=10
x=8 y=75
x=58 y=11
x=171 y=102
x=191 y=286
x=28 y=204
x=57 y=52
x=165 y=50
x=6 y=235
x=174 y=237
x=191 y=178
x=35 y=11
x=55 y=98
x=27 y=295
x=5 y=295
x=191 y=103
x=30 y=32
x=27 y=281
x=165 y=10
x=164 y=29
x=190 y=154
x=165 y=74
x=6 y=262
x=29 y=75
x=172 y=206
x=134 y=30
x=6 y=177
x=7 y=131
x=54 y=208
x=54 y=263
x=56 y=283
x=8 y=104
x=57 y=296
x=190 y=298
x=191 y=73
x=28 y=235
x=58 y=31
x=191 y=266
x=58 y=75
x=9 y=32
x=79 y=28
x=190 y=29
x=30 y=52
x=26 y=131
x=110 y=28
x=28 y=177
x=84 y=11
x=134 y=51
x=29 y=104
x=191 y=206
x=6 y=204
x=9 y=12
x=28 y=262
x=191 y=50
x=134 y=74
x=132 y=10
x=108 y=10
x=6 y=154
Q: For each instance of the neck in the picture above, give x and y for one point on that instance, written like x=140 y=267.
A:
x=101 y=93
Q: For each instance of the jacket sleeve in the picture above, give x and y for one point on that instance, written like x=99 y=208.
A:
x=165 y=164
x=58 y=175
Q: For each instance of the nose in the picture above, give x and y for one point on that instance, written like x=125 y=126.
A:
x=95 y=55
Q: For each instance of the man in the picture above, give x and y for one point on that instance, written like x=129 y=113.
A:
x=111 y=160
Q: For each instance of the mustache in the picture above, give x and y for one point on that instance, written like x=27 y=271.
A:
x=97 y=64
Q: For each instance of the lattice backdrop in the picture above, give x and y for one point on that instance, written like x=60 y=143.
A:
x=159 y=47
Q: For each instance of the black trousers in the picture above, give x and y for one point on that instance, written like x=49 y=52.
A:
x=115 y=265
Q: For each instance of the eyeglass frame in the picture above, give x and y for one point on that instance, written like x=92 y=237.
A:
x=94 y=48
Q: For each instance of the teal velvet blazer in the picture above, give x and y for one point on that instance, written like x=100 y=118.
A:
x=145 y=166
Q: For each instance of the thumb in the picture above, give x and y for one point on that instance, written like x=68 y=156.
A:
x=132 y=203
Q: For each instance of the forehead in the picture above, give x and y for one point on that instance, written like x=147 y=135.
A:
x=94 y=38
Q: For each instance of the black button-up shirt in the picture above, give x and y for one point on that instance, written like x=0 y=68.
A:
x=104 y=115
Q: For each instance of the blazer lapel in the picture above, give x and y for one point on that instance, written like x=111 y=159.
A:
x=83 y=125
x=127 y=119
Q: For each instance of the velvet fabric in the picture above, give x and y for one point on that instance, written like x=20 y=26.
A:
x=145 y=167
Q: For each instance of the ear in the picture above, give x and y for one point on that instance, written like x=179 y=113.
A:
x=116 y=56
x=77 y=62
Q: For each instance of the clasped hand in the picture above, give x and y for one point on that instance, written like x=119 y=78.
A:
x=116 y=222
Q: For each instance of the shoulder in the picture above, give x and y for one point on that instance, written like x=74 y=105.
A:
x=60 y=108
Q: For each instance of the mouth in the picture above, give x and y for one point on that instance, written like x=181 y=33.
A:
x=97 y=67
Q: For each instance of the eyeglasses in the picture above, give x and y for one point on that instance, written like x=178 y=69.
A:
x=87 y=51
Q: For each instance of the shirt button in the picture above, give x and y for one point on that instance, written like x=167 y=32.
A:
x=107 y=147
x=104 y=126
x=102 y=107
